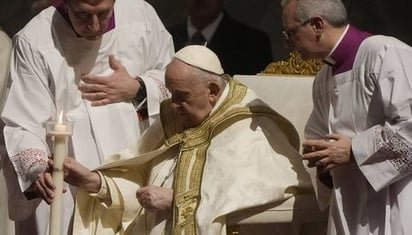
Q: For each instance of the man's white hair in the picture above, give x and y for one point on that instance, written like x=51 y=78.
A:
x=333 y=11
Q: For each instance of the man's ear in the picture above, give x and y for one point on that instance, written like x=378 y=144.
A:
x=214 y=91
x=317 y=24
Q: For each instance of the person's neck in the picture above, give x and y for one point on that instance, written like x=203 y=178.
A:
x=331 y=38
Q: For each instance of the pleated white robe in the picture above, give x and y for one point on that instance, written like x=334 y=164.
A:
x=47 y=62
x=370 y=102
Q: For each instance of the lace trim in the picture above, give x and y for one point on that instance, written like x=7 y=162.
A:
x=398 y=152
x=164 y=92
x=27 y=159
x=379 y=140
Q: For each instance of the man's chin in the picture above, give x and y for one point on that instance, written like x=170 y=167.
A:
x=187 y=123
x=305 y=55
x=92 y=38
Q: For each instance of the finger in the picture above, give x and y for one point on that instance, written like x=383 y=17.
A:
x=315 y=144
x=147 y=204
x=139 y=192
x=39 y=189
x=144 y=201
x=65 y=173
x=114 y=64
x=67 y=167
x=48 y=181
x=92 y=87
x=334 y=136
x=101 y=102
x=89 y=79
x=313 y=156
x=43 y=192
x=50 y=163
x=308 y=149
x=48 y=185
x=96 y=96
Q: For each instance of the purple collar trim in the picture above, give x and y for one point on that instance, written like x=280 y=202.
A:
x=345 y=53
x=59 y=5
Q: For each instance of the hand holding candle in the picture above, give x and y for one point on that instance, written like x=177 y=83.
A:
x=59 y=131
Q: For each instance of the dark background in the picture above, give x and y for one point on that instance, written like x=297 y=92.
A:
x=376 y=16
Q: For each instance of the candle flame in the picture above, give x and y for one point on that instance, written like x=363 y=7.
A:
x=60 y=119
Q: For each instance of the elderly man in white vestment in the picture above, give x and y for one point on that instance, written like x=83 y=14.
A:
x=217 y=149
x=67 y=47
x=359 y=135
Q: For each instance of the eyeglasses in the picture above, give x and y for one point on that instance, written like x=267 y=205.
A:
x=287 y=33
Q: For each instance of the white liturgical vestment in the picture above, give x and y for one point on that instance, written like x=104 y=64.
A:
x=47 y=63
x=243 y=155
x=366 y=94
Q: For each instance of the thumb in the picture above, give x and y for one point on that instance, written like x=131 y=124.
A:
x=334 y=136
x=114 y=64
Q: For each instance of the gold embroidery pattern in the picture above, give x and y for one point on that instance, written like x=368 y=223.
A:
x=294 y=65
x=194 y=145
x=189 y=171
x=187 y=189
x=190 y=165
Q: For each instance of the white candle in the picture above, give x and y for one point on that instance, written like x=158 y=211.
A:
x=59 y=154
x=60 y=128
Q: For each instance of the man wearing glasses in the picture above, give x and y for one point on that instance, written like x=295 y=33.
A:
x=359 y=135
x=112 y=51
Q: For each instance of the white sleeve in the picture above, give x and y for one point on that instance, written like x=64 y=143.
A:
x=161 y=52
x=384 y=152
x=28 y=106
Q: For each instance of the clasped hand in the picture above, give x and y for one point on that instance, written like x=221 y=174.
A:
x=74 y=174
x=154 y=198
x=327 y=154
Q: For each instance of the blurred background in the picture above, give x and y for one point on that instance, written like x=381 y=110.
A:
x=376 y=16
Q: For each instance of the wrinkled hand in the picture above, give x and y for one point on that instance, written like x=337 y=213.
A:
x=78 y=175
x=44 y=186
x=154 y=198
x=103 y=90
x=328 y=154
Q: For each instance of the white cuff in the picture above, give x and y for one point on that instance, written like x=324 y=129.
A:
x=103 y=193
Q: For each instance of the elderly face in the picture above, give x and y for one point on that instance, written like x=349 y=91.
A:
x=90 y=18
x=298 y=35
x=191 y=97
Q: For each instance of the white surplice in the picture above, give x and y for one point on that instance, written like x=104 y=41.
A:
x=370 y=103
x=251 y=162
x=5 y=50
x=47 y=63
